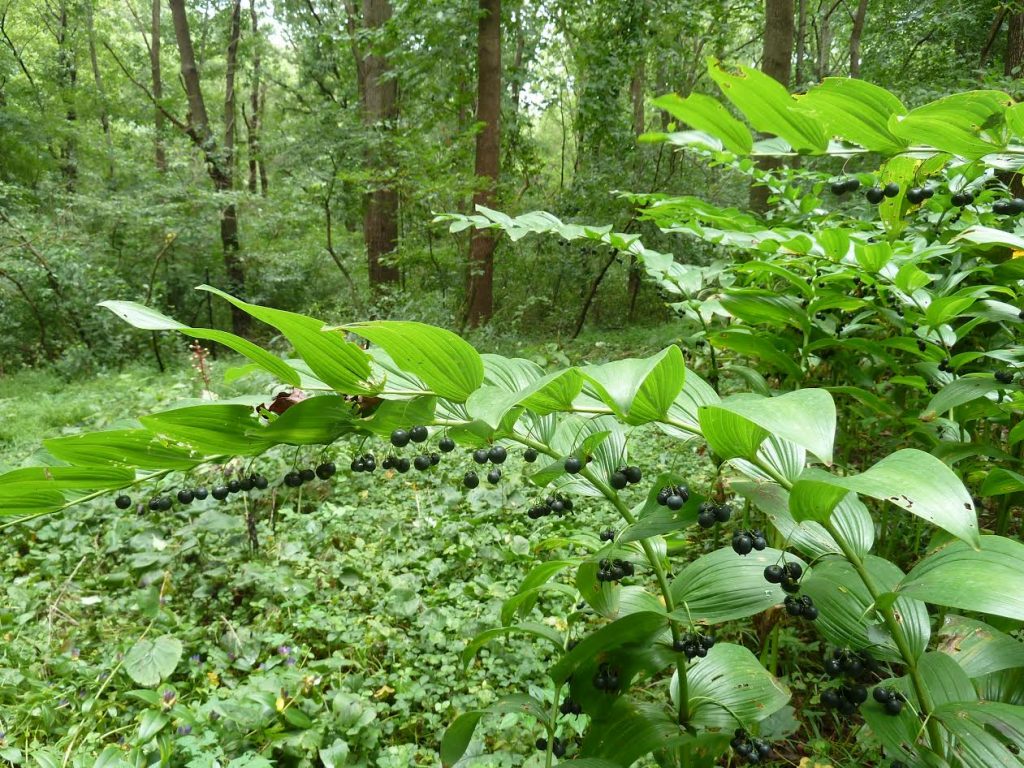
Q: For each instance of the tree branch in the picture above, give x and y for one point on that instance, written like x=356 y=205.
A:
x=180 y=125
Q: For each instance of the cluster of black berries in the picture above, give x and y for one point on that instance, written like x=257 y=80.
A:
x=848 y=663
x=786 y=576
x=845 y=699
x=673 y=496
x=960 y=199
x=843 y=186
x=365 y=463
x=400 y=464
x=754 y=750
x=944 y=365
x=614 y=570
x=890 y=699
x=917 y=195
x=711 y=513
x=573 y=464
x=294 y=479
x=401 y=437
x=570 y=707
x=1008 y=207
x=694 y=644
x=1004 y=377
x=607 y=678
x=745 y=541
x=188 y=495
x=558 y=505
x=801 y=606
x=875 y=195
x=557 y=746
x=607 y=534
x=624 y=476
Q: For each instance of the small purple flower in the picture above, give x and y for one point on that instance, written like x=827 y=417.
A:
x=184 y=730
x=284 y=650
x=231 y=656
x=76 y=652
x=103 y=676
x=169 y=696
x=63 y=703
x=290 y=661
x=196 y=658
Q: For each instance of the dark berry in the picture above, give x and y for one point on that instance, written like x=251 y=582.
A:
x=446 y=444
x=891 y=189
x=723 y=512
x=893 y=707
x=557 y=748
x=234 y=486
x=357 y=465
x=793 y=606
x=742 y=543
x=833 y=668
x=245 y=484
x=794 y=569
x=529 y=455
x=838 y=188
x=706 y=518
x=421 y=462
x=618 y=480
x=830 y=698
x=633 y=474
x=759 y=543
x=789 y=586
x=418 y=434
x=810 y=612
x=123 y=502
x=154 y=504
x=402 y=465
x=607 y=535
x=852 y=184
x=875 y=195
x=435 y=459
x=497 y=454
x=858 y=694
x=494 y=476
x=882 y=695
x=201 y=493
x=573 y=465
x=480 y=455
x=470 y=480
x=292 y=480
x=675 y=502
x=220 y=492
x=1001 y=207
x=916 y=195
x=773 y=574
x=1004 y=377
x=400 y=438
x=185 y=496
x=541 y=744
x=1016 y=206
x=369 y=463
x=960 y=199
x=259 y=482
x=307 y=475
x=326 y=470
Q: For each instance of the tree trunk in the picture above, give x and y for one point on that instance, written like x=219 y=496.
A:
x=98 y=80
x=218 y=165
x=480 y=299
x=855 y=35
x=67 y=78
x=775 y=62
x=257 y=173
x=636 y=95
x=160 y=155
x=1014 y=46
x=380 y=92
x=801 y=41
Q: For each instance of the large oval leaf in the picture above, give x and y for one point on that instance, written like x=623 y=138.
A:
x=150 y=661
x=639 y=390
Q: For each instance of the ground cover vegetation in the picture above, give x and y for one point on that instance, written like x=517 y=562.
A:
x=785 y=532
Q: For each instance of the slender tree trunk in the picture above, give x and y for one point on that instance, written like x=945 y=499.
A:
x=257 y=173
x=380 y=220
x=160 y=155
x=775 y=62
x=993 y=32
x=480 y=297
x=801 y=41
x=68 y=77
x=219 y=165
x=1014 y=46
x=636 y=95
x=855 y=36
x=98 y=80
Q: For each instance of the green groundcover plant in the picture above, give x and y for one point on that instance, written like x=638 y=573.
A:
x=929 y=656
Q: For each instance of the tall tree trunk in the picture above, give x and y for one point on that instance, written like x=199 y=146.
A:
x=67 y=78
x=160 y=155
x=1014 y=46
x=101 y=94
x=636 y=94
x=775 y=62
x=801 y=41
x=257 y=172
x=380 y=220
x=855 y=35
x=219 y=165
x=993 y=32
x=480 y=298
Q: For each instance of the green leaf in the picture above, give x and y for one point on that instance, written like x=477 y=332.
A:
x=146 y=318
x=338 y=363
x=729 y=434
x=394 y=414
x=639 y=390
x=847 y=615
x=314 y=421
x=978 y=648
x=872 y=256
x=59 y=478
x=707 y=114
x=17 y=502
x=806 y=417
x=722 y=586
x=989 y=236
x=857 y=111
x=635 y=627
x=602 y=596
x=445 y=363
x=760 y=346
x=541 y=631
x=965 y=124
x=123 y=447
x=768 y=107
x=730 y=688
x=960 y=392
x=212 y=428
x=649 y=727
x=458 y=735
x=911 y=479
x=945 y=680
x=764 y=308
x=150 y=661
x=1000 y=482
x=989 y=580
x=982 y=730
x=151 y=723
